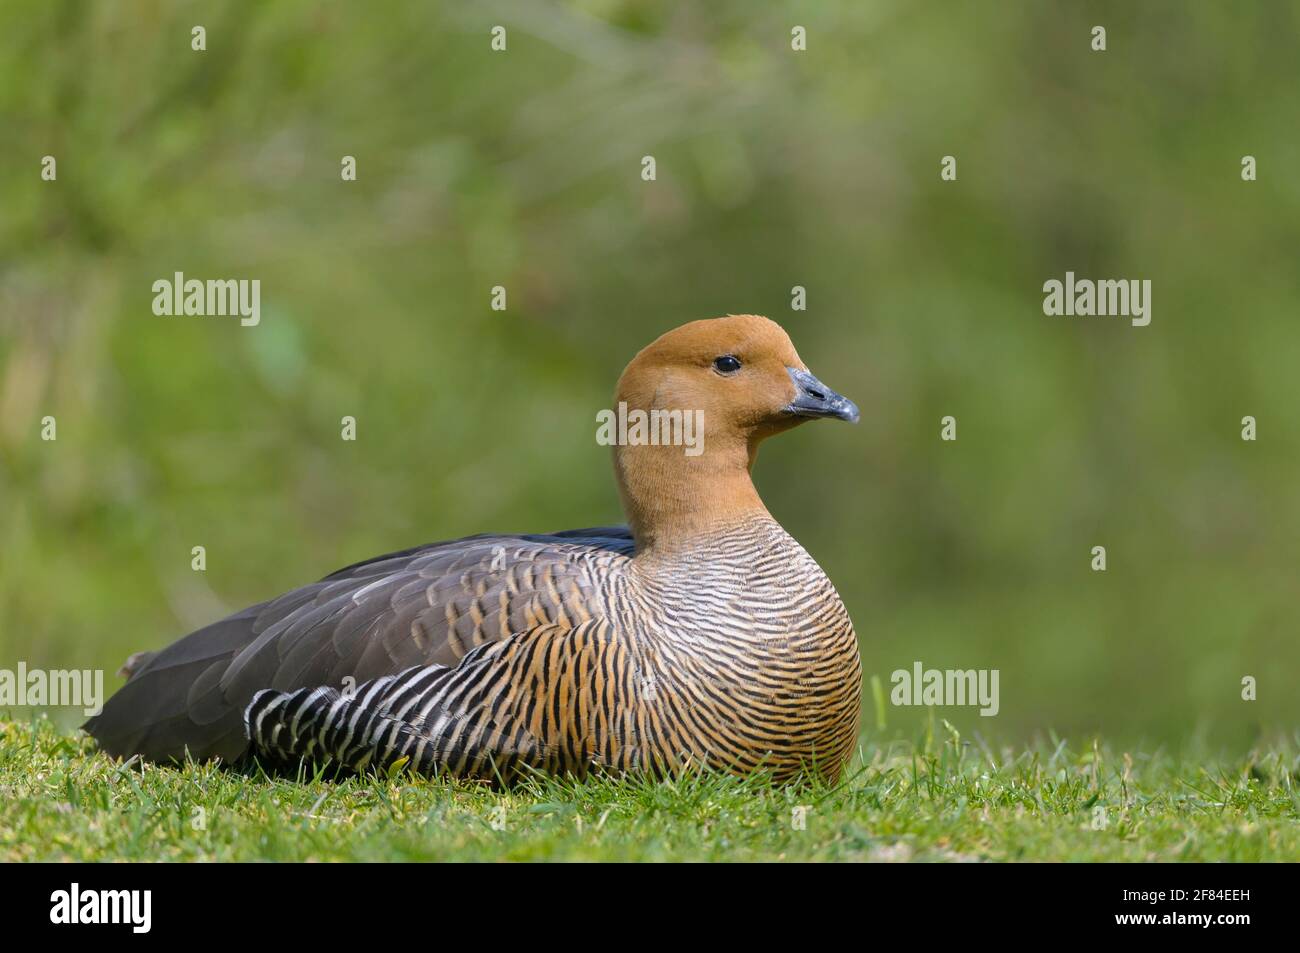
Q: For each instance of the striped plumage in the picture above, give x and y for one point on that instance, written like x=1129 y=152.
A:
x=704 y=635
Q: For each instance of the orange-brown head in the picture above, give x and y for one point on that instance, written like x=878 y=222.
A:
x=740 y=379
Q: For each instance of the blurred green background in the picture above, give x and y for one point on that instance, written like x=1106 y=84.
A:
x=775 y=169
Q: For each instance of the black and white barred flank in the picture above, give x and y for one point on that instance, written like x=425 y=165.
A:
x=395 y=718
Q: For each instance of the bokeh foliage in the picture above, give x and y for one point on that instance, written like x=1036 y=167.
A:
x=775 y=169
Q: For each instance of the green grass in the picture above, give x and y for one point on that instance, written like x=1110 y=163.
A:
x=928 y=800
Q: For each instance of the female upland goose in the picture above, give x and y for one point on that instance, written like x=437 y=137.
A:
x=701 y=634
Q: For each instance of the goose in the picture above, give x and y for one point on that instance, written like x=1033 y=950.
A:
x=699 y=635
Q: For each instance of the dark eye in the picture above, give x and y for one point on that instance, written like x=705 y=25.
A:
x=727 y=364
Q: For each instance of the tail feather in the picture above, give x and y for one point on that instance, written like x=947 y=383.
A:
x=173 y=706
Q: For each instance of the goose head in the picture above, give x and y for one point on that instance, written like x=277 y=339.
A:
x=739 y=380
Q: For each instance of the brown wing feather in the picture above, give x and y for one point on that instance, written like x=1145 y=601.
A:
x=432 y=604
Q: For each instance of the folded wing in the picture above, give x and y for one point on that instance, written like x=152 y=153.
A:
x=429 y=606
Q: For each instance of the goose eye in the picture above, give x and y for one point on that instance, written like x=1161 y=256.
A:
x=726 y=364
